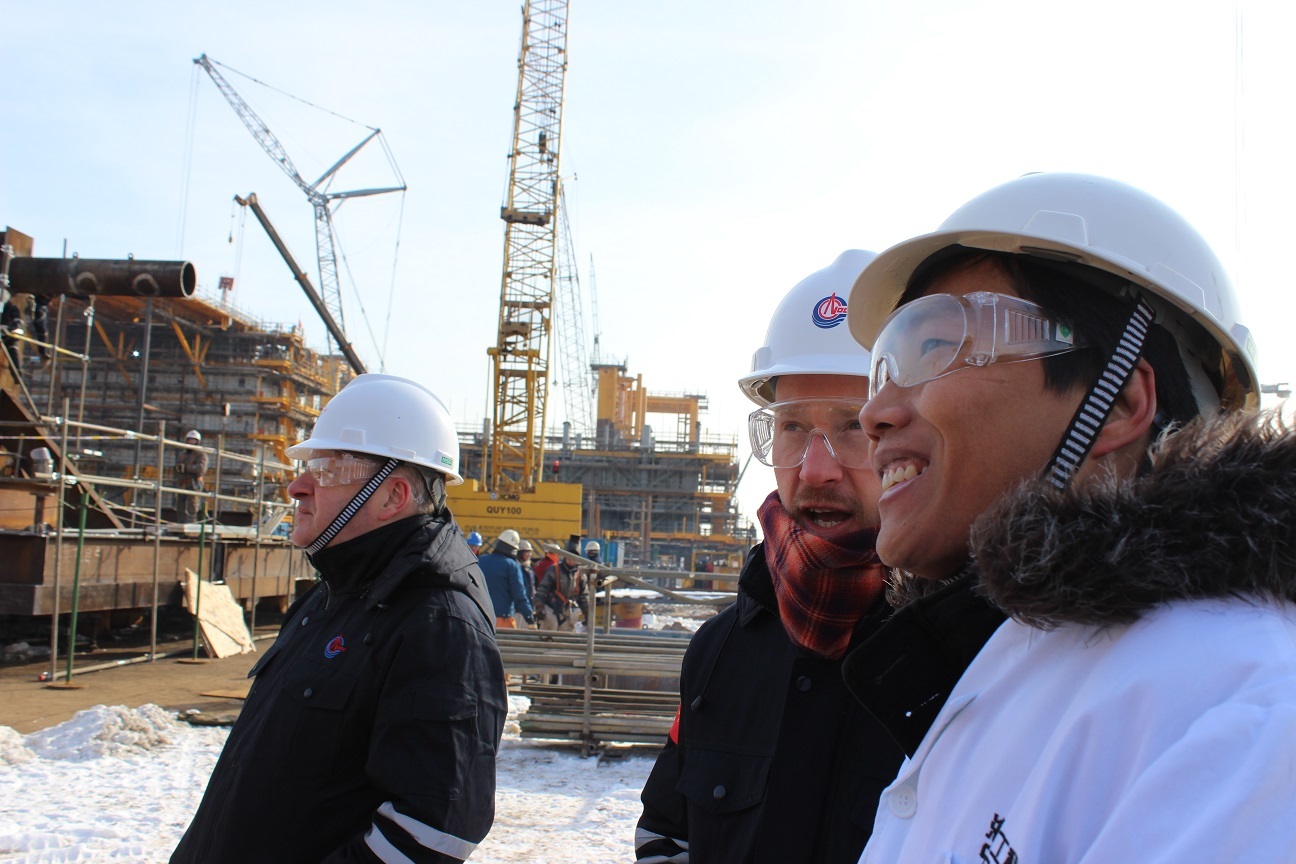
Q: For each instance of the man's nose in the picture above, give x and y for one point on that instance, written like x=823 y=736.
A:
x=820 y=465
x=301 y=486
x=885 y=410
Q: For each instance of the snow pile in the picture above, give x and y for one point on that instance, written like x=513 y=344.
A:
x=116 y=784
x=12 y=749
x=105 y=731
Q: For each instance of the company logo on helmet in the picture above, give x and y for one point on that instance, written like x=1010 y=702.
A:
x=829 y=312
x=335 y=647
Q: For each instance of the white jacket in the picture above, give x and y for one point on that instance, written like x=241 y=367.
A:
x=1169 y=740
x=1140 y=705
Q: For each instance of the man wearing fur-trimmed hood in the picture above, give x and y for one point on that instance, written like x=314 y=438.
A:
x=1139 y=701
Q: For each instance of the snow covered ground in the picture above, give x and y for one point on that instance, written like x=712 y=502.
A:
x=116 y=784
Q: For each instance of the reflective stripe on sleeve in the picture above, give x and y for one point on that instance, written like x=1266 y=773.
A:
x=654 y=848
x=427 y=837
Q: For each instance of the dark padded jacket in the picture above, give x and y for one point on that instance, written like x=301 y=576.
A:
x=373 y=725
x=775 y=761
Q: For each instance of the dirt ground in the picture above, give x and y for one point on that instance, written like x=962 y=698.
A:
x=28 y=704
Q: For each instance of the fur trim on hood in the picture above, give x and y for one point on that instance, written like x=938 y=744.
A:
x=1213 y=516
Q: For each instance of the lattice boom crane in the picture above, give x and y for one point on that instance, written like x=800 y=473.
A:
x=321 y=200
x=520 y=356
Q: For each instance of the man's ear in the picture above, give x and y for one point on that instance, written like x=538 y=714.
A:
x=397 y=497
x=1129 y=428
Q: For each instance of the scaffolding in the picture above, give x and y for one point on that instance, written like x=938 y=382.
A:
x=193 y=363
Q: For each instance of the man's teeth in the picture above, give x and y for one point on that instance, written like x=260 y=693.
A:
x=825 y=520
x=899 y=474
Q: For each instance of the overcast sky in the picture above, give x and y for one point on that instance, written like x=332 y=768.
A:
x=715 y=153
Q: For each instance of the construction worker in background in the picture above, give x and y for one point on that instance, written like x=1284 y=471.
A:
x=504 y=580
x=592 y=550
x=528 y=573
x=190 y=466
x=560 y=599
x=549 y=560
x=475 y=542
x=1139 y=704
x=373 y=725
x=770 y=759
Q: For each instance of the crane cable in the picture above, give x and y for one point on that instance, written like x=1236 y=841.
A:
x=291 y=96
x=391 y=291
x=186 y=171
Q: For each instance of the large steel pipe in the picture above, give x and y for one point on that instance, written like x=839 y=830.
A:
x=82 y=277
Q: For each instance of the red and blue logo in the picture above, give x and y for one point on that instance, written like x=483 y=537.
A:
x=335 y=647
x=829 y=312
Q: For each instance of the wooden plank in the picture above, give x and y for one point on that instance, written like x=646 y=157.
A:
x=220 y=617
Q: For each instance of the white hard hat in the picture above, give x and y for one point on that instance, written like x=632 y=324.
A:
x=509 y=537
x=193 y=433
x=1102 y=224
x=592 y=546
x=388 y=416
x=807 y=335
x=524 y=546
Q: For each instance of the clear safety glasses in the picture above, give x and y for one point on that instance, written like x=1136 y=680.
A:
x=340 y=469
x=781 y=433
x=942 y=333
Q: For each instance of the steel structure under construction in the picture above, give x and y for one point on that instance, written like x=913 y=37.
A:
x=666 y=493
x=83 y=522
x=193 y=363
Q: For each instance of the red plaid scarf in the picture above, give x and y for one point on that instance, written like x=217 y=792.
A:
x=823 y=588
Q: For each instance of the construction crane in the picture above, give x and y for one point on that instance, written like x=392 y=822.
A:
x=520 y=356
x=324 y=202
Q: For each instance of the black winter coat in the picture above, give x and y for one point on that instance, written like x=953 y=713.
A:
x=375 y=719
x=775 y=762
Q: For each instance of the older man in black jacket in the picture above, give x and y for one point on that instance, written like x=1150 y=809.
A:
x=372 y=729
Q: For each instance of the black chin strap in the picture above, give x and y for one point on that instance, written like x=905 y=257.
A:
x=353 y=506
x=1097 y=406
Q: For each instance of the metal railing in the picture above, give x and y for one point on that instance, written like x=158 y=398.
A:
x=266 y=516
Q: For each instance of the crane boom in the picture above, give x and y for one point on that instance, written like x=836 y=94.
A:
x=520 y=356
x=330 y=292
x=260 y=131
x=335 y=330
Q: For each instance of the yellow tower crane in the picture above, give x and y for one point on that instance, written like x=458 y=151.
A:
x=515 y=496
x=520 y=355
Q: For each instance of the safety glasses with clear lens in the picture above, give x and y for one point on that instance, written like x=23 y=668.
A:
x=340 y=469
x=942 y=333
x=781 y=433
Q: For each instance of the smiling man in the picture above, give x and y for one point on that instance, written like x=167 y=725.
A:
x=371 y=731
x=1060 y=393
x=770 y=759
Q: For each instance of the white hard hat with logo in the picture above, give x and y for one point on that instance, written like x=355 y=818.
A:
x=193 y=434
x=808 y=334
x=1106 y=225
x=390 y=417
x=593 y=546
